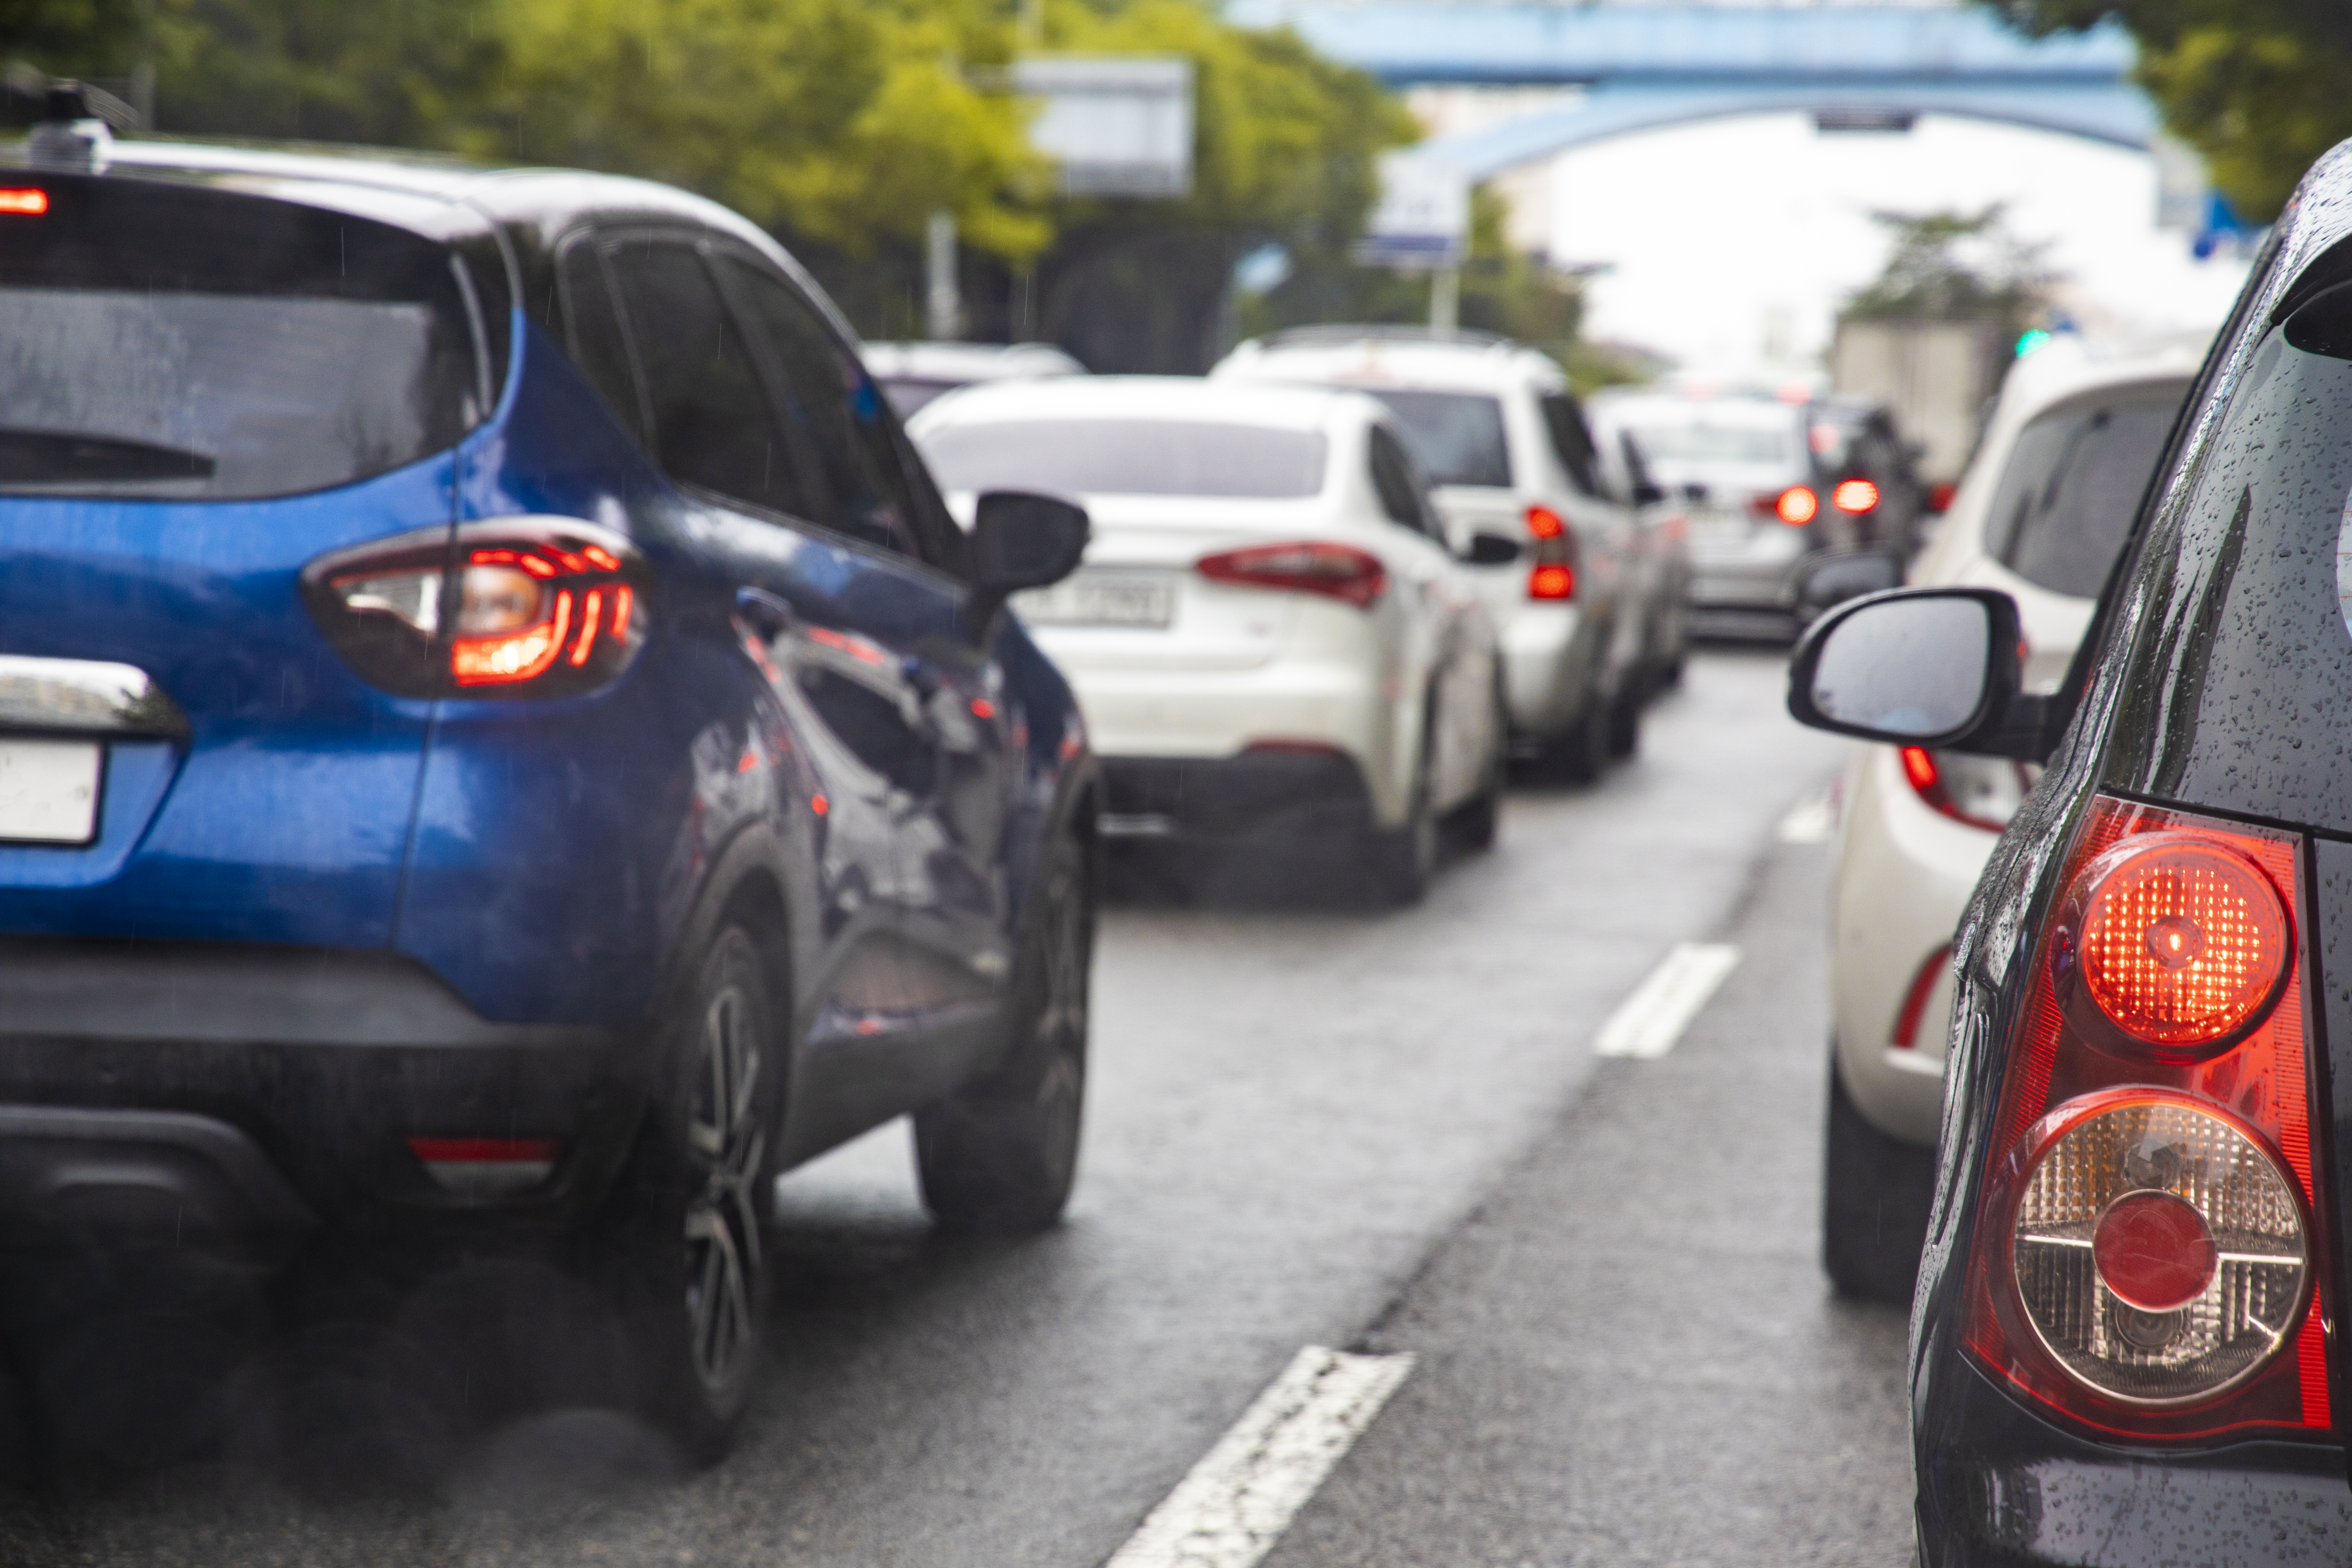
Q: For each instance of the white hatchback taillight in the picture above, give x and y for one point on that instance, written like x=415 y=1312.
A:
x=1983 y=792
x=2145 y=1260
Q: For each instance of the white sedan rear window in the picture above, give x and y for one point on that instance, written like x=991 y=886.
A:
x=1129 y=457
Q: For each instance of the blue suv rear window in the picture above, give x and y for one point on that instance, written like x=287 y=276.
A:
x=186 y=343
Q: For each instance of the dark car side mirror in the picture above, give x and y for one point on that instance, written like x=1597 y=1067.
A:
x=1922 y=666
x=1021 y=539
x=1645 y=492
x=1831 y=580
x=1491 y=550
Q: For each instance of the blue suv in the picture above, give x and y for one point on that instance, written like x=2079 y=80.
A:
x=501 y=742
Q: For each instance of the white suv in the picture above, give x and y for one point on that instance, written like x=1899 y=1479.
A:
x=2046 y=506
x=1584 y=581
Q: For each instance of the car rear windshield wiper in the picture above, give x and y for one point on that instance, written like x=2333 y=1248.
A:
x=65 y=458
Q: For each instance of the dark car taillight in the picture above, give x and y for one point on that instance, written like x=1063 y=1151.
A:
x=1796 y=505
x=1310 y=566
x=1553 y=575
x=2145 y=1260
x=516 y=607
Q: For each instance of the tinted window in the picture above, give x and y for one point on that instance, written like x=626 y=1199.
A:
x=1457 y=436
x=711 y=426
x=1716 y=444
x=2074 y=483
x=907 y=394
x=1573 y=440
x=1392 y=476
x=592 y=327
x=834 y=406
x=1128 y=457
x=2236 y=690
x=190 y=344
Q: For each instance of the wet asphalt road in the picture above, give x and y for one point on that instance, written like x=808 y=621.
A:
x=1310 y=1124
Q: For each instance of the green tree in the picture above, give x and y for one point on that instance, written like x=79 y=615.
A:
x=1948 y=266
x=2256 y=86
x=1286 y=149
x=844 y=122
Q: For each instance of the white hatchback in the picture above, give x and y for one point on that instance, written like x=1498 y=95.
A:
x=1585 y=583
x=2041 y=515
x=1268 y=633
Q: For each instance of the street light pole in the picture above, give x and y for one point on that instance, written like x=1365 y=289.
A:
x=1445 y=299
x=944 y=310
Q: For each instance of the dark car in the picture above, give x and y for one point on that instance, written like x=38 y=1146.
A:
x=2126 y=1344
x=1869 y=473
x=501 y=743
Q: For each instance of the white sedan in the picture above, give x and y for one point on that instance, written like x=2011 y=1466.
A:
x=1269 y=636
x=2041 y=515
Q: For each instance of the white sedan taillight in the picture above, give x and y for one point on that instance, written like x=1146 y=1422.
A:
x=2145 y=1260
x=1307 y=566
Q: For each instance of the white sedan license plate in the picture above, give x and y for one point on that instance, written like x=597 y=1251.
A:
x=49 y=791
x=1101 y=599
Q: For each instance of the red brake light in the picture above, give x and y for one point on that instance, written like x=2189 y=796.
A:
x=534 y=607
x=1796 y=505
x=24 y=202
x=482 y=1168
x=1553 y=575
x=2146 y=1262
x=2181 y=942
x=1309 y=566
x=1983 y=792
x=1854 y=496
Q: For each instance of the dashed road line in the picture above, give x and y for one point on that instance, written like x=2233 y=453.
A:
x=1238 y=1502
x=1648 y=1023
x=1812 y=820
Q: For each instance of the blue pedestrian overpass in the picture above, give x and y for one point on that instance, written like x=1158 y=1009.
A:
x=1642 y=68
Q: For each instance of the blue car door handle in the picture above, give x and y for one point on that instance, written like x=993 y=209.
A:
x=767 y=615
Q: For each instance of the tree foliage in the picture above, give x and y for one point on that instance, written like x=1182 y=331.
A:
x=2256 y=86
x=841 y=125
x=1948 y=266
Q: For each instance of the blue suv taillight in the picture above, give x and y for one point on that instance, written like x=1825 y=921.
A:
x=517 y=606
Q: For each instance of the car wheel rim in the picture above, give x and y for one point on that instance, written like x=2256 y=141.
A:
x=724 y=1146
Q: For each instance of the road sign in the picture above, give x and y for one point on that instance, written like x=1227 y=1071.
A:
x=1118 y=125
x=1422 y=221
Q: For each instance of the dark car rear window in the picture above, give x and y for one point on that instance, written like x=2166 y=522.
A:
x=1128 y=457
x=2073 y=484
x=1457 y=436
x=181 y=343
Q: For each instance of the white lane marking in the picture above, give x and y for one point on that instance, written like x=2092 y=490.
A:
x=1238 y=1502
x=1812 y=820
x=1649 y=1022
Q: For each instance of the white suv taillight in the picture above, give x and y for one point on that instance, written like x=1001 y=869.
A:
x=2145 y=1258
x=1553 y=575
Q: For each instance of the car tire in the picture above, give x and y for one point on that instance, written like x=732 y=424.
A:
x=999 y=1156
x=1580 y=754
x=1876 y=1191
x=1476 y=823
x=1403 y=859
x=1626 y=721
x=680 y=1243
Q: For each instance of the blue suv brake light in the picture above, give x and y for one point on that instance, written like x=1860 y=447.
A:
x=516 y=607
